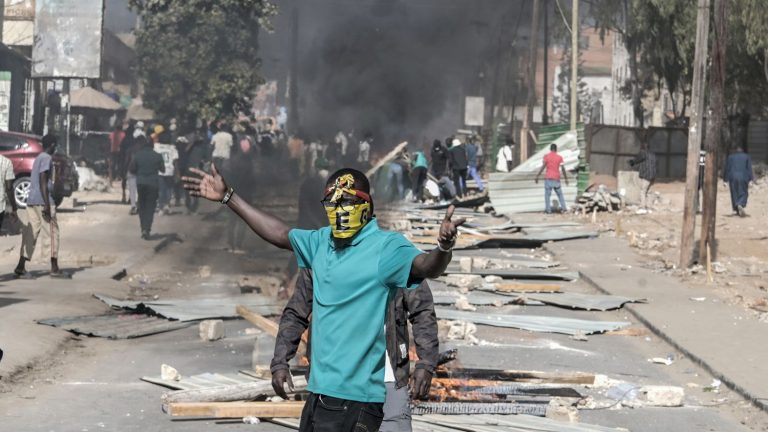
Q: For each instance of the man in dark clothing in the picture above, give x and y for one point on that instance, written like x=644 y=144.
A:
x=459 y=165
x=439 y=162
x=645 y=161
x=738 y=173
x=192 y=154
x=416 y=306
x=472 y=162
x=146 y=166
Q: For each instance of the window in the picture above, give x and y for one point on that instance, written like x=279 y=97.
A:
x=10 y=143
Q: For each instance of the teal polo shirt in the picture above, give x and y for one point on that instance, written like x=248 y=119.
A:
x=352 y=287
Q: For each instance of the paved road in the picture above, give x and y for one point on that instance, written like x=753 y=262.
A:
x=88 y=384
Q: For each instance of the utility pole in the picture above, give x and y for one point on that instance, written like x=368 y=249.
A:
x=525 y=131
x=545 y=102
x=695 y=134
x=574 y=64
x=714 y=138
x=293 y=107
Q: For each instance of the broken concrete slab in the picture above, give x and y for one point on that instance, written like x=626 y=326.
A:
x=546 y=324
x=211 y=330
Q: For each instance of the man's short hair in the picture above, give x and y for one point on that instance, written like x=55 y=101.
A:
x=49 y=140
x=361 y=181
x=553 y=147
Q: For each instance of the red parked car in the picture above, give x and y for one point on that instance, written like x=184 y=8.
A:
x=22 y=149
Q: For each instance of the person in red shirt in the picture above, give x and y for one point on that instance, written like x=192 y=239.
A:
x=554 y=165
x=115 y=139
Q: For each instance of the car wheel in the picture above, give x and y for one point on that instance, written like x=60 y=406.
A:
x=21 y=191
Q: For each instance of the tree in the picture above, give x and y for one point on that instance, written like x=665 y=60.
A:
x=198 y=59
x=561 y=103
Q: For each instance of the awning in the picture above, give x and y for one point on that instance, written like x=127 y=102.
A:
x=90 y=98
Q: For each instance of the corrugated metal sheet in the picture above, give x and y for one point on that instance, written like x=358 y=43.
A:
x=115 y=326
x=199 y=309
x=515 y=423
x=546 y=324
x=517 y=192
x=204 y=380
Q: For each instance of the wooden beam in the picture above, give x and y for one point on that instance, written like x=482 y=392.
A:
x=266 y=324
x=229 y=393
x=517 y=376
x=527 y=287
x=286 y=409
x=387 y=159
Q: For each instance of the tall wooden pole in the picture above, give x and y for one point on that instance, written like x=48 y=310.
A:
x=574 y=65
x=545 y=102
x=531 y=80
x=695 y=134
x=714 y=136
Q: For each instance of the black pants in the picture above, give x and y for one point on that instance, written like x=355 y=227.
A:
x=192 y=202
x=460 y=181
x=329 y=414
x=147 y=203
x=739 y=192
x=419 y=177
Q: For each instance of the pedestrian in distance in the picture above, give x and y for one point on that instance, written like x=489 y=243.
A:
x=459 y=164
x=356 y=267
x=554 y=165
x=147 y=166
x=222 y=142
x=505 y=158
x=438 y=164
x=115 y=140
x=192 y=154
x=170 y=155
x=414 y=306
x=6 y=187
x=645 y=162
x=41 y=212
x=418 y=175
x=738 y=174
x=472 y=159
x=128 y=147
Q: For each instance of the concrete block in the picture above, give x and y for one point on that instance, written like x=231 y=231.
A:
x=465 y=263
x=629 y=182
x=662 y=396
x=169 y=373
x=211 y=330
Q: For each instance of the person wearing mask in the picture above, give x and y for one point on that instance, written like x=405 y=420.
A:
x=6 y=187
x=41 y=212
x=459 y=164
x=472 y=159
x=127 y=149
x=645 y=161
x=439 y=159
x=505 y=156
x=356 y=268
x=555 y=165
x=414 y=306
x=738 y=174
x=146 y=166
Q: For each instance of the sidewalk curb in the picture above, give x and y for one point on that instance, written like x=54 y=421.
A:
x=756 y=400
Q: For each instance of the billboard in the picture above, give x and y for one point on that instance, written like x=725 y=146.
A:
x=19 y=10
x=68 y=39
x=474 y=111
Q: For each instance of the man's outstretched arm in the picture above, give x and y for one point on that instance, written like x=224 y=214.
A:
x=213 y=187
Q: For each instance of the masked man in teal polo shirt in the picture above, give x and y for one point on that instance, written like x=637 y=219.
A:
x=357 y=269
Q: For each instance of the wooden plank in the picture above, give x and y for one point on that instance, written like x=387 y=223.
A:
x=286 y=409
x=259 y=321
x=389 y=157
x=526 y=287
x=229 y=393
x=518 y=376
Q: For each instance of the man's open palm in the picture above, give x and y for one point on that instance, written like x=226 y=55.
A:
x=209 y=186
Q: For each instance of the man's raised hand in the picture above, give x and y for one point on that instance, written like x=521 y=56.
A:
x=449 y=229
x=209 y=186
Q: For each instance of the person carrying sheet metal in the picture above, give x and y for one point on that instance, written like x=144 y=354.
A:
x=357 y=268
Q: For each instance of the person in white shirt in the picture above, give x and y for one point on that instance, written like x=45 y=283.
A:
x=168 y=177
x=505 y=157
x=222 y=147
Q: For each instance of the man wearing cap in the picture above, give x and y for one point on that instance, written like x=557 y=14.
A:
x=357 y=268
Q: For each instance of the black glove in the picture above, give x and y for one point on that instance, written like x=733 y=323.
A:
x=279 y=378
x=422 y=381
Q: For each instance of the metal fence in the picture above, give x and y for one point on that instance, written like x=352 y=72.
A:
x=611 y=147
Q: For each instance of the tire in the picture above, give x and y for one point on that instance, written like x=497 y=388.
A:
x=21 y=191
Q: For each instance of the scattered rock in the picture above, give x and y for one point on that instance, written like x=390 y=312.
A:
x=662 y=396
x=204 y=271
x=561 y=410
x=463 y=304
x=211 y=330
x=169 y=373
x=465 y=264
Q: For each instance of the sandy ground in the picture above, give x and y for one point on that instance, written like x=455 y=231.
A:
x=740 y=262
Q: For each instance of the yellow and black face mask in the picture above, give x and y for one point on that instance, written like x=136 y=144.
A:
x=346 y=214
